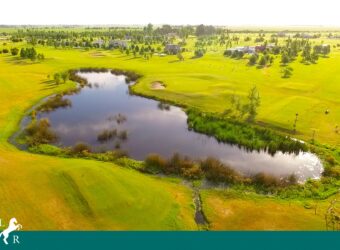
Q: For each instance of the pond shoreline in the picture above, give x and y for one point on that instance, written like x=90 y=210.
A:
x=101 y=70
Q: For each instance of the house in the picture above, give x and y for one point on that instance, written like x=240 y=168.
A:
x=99 y=43
x=260 y=48
x=335 y=37
x=245 y=49
x=271 y=46
x=118 y=44
x=307 y=36
x=281 y=34
x=172 y=49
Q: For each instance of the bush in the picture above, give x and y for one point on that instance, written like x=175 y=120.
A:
x=331 y=160
x=81 y=149
x=177 y=164
x=227 y=53
x=253 y=59
x=216 y=171
x=265 y=180
x=5 y=51
x=199 y=53
x=30 y=53
x=46 y=149
x=193 y=172
x=246 y=135
x=154 y=163
x=53 y=103
x=332 y=172
x=106 y=135
x=14 y=51
x=39 y=132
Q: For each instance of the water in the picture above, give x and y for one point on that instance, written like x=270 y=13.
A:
x=152 y=129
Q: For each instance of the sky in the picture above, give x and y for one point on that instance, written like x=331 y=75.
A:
x=141 y=12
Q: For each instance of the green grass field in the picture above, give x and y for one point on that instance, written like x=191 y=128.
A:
x=231 y=211
x=54 y=193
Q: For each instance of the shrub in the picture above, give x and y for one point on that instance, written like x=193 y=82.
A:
x=14 y=51
x=154 y=163
x=246 y=135
x=193 y=172
x=130 y=75
x=39 y=132
x=80 y=149
x=5 y=51
x=46 y=149
x=216 y=171
x=265 y=180
x=30 y=53
x=76 y=78
x=253 y=59
x=331 y=160
x=227 y=53
x=199 y=53
x=332 y=172
x=106 y=135
x=53 y=103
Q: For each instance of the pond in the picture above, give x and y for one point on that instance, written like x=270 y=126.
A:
x=106 y=116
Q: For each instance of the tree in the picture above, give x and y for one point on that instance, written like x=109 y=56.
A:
x=57 y=78
x=306 y=53
x=254 y=103
x=253 y=59
x=326 y=50
x=262 y=61
x=287 y=72
x=149 y=29
x=65 y=76
x=40 y=57
x=199 y=53
x=180 y=56
x=285 y=58
x=14 y=51
x=23 y=53
x=203 y=30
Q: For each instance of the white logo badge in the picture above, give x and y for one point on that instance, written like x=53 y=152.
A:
x=13 y=226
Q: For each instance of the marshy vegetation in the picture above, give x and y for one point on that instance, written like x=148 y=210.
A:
x=39 y=132
x=107 y=135
x=214 y=171
x=79 y=150
x=245 y=135
x=53 y=103
x=119 y=118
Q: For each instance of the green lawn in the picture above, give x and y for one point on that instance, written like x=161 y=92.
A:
x=231 y=211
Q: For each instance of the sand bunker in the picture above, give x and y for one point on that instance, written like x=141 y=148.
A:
x=157 y=85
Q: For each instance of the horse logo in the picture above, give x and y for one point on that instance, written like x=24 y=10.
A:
x=13 y=225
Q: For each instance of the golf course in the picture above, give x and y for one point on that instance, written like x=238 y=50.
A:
x=61 y=191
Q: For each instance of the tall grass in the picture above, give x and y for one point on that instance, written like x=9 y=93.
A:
x=214 y=171
x=245 y=135
x=54 y=103
x=39 y=132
